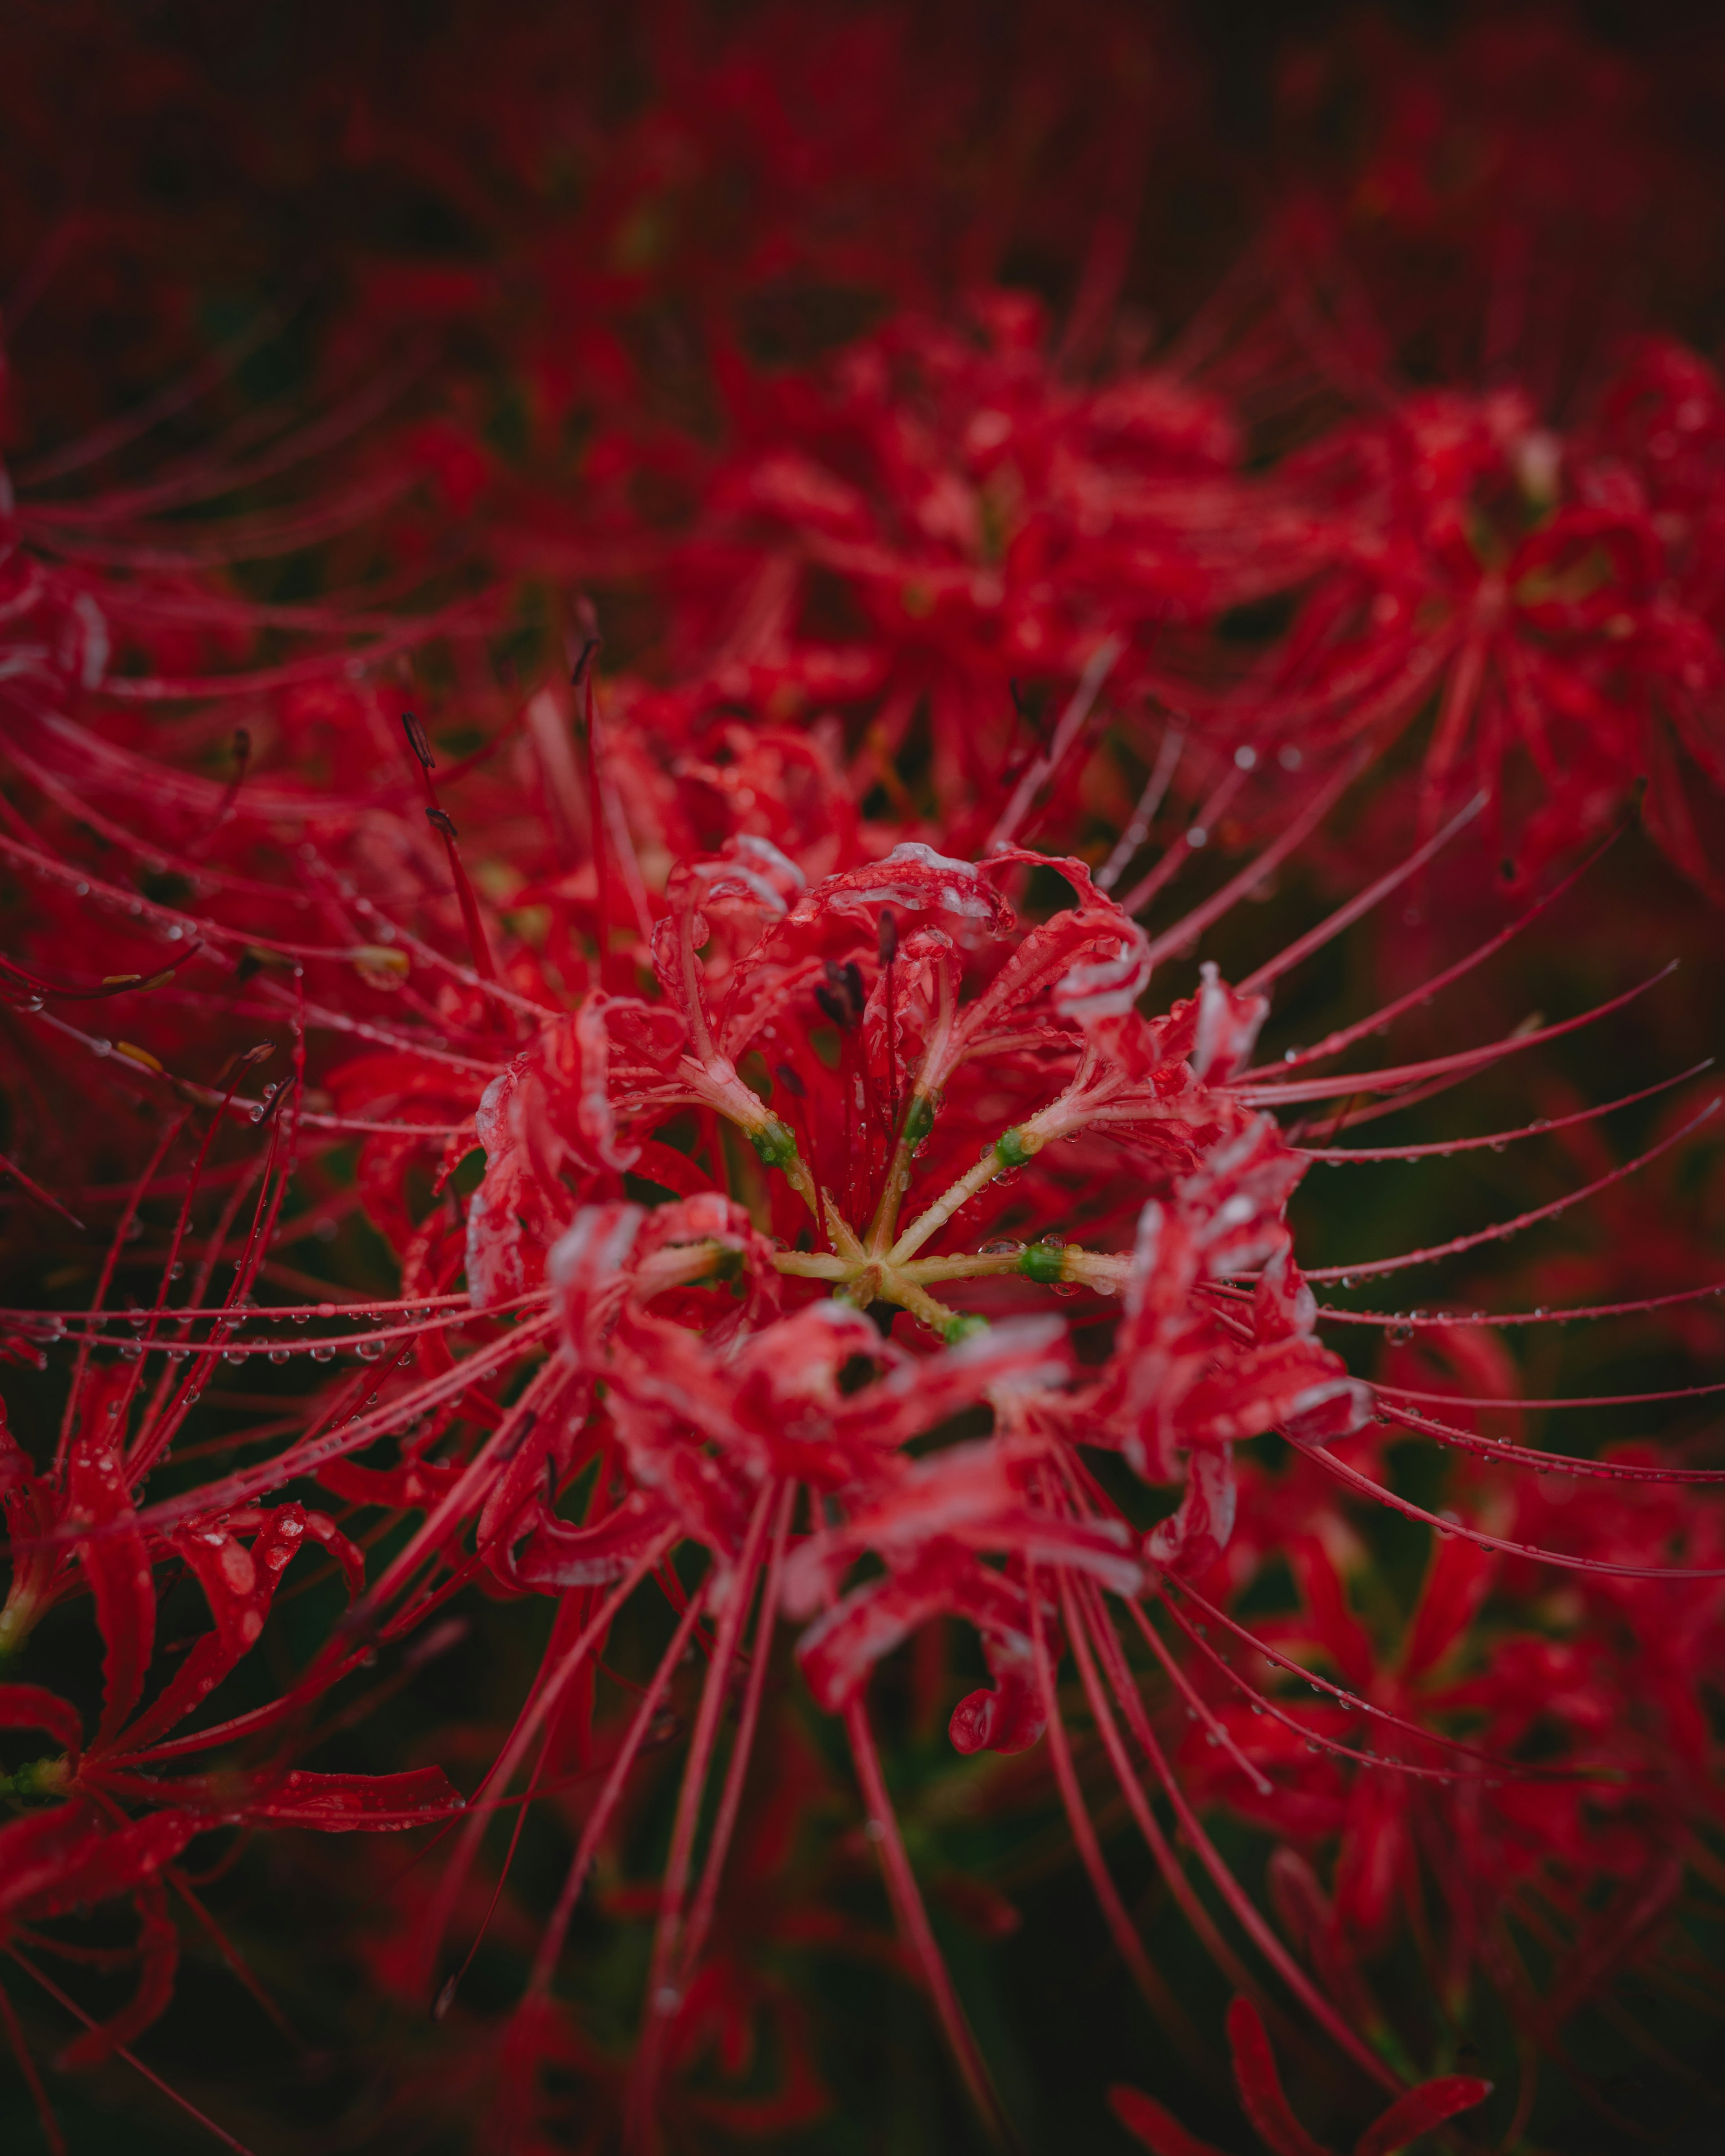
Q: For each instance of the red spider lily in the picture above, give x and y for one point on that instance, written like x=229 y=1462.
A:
x=792 y=1112
x=85 y=1840
x=928 y=1067
x=1510 y=197
x=1262 y=2099
x=1527 y=588
x=934 y=514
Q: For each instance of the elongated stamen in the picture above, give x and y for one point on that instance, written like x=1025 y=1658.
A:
x=1499 y=1230
x=1191 y=925
x=913 y=1923
x=1239 y=1903
x=700 y=1916
x=137 y=2065
x=548 y=1690
x=1547 y=1463
x=1368 y=1710
x=425 y=762
x=1344 y=1037
x=1374 y=894
x=1268 y=1096
x=551 y=1944
x=1562 y=1559
x=1195 y=837
x=663 y=1996
x=1438 y=1321
x=1096 y=670
x=1137 y=828
x=1495 y=1141
x=1151 y=1982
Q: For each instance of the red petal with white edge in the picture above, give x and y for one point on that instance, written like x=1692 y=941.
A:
x=1419 y=2111
x=561 y=1555
x=840 y=1648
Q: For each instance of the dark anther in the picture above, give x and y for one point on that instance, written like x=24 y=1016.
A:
x=417 y=741
x=842 y=998
x=439 y=822
x=856 y=1372
x=889 y=937
x=581 y=664
x=274 y=1095
x=518 y=1437
x=242 y=744
x=1018 y=698
x=791 y=1082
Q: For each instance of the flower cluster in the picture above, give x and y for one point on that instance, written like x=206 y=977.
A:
x=712 y=1191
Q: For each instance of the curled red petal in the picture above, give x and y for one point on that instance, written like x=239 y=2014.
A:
x=1419 y=2111
x=350 y=1803
x=117 y=1565
x=1159 y=2130
x=1261 y=2097
x=34 y=1706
